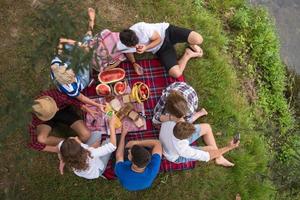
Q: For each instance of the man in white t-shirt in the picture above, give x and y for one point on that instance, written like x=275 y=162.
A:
x=176 y=139
x=160 y=38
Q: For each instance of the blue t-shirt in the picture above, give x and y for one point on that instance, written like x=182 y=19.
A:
x=73 y=89
x=134 y=181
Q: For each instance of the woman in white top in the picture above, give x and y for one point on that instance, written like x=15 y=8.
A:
x=87 y=161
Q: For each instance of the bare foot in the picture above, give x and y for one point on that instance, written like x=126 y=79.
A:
x=238 y=197
x=202 y=112
x=191 y=53
x=196 y=48
x=91 y=14
x=223 y=162
x=138 y=69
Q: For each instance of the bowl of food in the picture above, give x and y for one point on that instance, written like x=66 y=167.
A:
x=140 y=92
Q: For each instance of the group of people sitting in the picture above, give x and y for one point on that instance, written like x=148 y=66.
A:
x=175 y=112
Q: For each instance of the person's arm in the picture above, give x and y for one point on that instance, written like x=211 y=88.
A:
x=154 y=144
x=120 y=150
x=51 y=149
x=116 y=64
x=87 y=100
x=158 y=110
x=90 y=111
x=112 y=145
x=112 y=129
x=130 y=57
x=155 y=40
x=73 y=43
x=197 y=115
x=169 y=117
x=138 y=69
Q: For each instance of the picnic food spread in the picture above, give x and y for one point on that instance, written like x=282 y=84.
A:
x=111 y=80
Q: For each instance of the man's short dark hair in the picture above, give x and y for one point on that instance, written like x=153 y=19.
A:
x=129 y=38
x=140 y=156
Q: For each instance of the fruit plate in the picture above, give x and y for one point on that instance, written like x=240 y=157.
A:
x=140 y=92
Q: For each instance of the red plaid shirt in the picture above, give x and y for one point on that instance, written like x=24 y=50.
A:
x=62 y=101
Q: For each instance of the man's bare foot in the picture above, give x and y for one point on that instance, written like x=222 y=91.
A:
x=138 y=69
x=196 y=49
x=92 y=15
x=202 y=112
x=191 y=54
x=223 y=162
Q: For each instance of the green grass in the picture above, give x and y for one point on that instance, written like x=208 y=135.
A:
x=33 y=175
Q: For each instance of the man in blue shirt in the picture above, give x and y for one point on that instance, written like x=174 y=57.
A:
x=142 y=168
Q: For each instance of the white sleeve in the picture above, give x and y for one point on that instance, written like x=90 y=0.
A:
x=59 y=144
x=103 y=150
x=148 y=30
x=185 y=150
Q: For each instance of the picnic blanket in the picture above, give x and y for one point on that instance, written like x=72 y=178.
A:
x=157 y=79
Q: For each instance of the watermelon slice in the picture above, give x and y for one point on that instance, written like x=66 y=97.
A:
x=103 y=89
x=119 y=88
x=111 y=76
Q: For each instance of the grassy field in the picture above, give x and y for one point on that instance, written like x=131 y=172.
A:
x=28 y=43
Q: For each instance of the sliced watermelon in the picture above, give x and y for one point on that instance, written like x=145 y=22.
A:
x=103 y=89
x=111 y=76
x=119 y=87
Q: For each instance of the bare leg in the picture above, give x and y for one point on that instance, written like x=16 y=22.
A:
x=194 y=40
x=91 y=23
x=92 y=15
x=43 y=137
x=210 y=141
x=177 y=70
x=82 y=131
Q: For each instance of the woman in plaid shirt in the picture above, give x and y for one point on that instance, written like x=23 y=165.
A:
x=178 y=102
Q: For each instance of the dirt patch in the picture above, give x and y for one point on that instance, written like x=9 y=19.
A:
x=119 y=13
x=250 y=89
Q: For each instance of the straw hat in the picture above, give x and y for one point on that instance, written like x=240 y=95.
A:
x=62 y=74
x=45 y=108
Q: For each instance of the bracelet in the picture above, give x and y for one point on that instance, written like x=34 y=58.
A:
x=78 y=44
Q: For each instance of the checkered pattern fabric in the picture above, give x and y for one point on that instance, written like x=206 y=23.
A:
x=157 y=79
x=100 y=122
x=186 y=91
x=62 y=101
